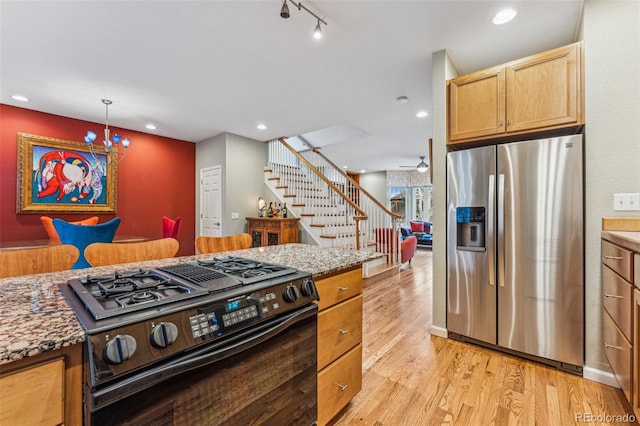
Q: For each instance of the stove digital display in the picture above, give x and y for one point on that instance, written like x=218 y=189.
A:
x=232 y=306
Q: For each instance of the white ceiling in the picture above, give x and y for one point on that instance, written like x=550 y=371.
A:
x=199 y=68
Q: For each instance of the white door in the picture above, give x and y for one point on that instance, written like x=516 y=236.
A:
x=210 y=201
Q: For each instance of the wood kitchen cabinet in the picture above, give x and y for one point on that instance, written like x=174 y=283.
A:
x=267 y=231
x=45 y=389
x=339 y=342
x=636 y=335
x=620 y=315
x=537 y=93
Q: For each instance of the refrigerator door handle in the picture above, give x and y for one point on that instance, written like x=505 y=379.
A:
x=490 y=231
x=501 y=248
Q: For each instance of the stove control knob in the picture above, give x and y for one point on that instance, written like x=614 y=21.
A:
x=164 y=334
x=119 y=349
x=290 y=293
x=308 y=288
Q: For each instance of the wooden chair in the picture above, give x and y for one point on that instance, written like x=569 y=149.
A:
x=59 y=257
x=102 y=254
x=218 y=244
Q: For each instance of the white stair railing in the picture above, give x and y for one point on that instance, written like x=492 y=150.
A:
x=334 y=209
x=329 y=217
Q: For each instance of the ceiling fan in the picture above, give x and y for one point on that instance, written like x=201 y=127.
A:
x=422 y=166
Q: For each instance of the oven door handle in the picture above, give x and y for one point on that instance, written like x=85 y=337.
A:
x=201 y=357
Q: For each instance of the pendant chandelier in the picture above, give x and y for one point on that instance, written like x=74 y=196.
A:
x=111 y=144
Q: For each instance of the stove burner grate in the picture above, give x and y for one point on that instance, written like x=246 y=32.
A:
x=112 y=295
x=248 y=270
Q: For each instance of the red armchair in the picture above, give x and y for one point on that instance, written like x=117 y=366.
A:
x=408 y=248
x=170 y=227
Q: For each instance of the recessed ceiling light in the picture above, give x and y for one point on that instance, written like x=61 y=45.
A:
x=402 y=99
x=362 y=171
x=20 y=98
x=504 y=16
x=150 y=126
x=262 y=127
x=422 y=114
x=345 y=167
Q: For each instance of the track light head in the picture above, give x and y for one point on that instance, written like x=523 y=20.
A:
x=317 y=33
x=284 y=10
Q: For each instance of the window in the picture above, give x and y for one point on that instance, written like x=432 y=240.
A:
x=412 y=203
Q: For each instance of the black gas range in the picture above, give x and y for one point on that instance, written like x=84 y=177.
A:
x=139 y=319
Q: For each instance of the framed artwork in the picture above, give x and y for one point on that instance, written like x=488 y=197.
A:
x=55 y=175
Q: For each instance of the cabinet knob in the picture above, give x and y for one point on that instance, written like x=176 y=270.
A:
x=342 y=387
x=343 y=332
x=344 y=288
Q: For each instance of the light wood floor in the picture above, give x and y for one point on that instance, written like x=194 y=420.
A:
x=413 y=378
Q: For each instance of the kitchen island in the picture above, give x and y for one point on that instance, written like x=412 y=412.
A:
x=36 y=323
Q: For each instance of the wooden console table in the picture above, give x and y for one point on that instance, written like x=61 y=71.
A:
x=271 y=231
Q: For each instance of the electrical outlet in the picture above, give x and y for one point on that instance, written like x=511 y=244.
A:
x=626 y=202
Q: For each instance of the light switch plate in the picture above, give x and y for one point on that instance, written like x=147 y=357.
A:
x=235 y=216
x=626 y=202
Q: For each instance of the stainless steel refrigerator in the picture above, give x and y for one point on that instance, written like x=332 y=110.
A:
x=515 y=256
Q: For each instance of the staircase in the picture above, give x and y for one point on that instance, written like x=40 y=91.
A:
x=333 y=209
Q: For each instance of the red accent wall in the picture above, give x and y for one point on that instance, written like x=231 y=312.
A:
x=157 y=178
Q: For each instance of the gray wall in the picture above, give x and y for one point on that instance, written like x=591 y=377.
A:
x=243 y=161
x=612 y=147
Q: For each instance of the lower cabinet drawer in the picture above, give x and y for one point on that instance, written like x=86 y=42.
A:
x=619 y=352
x=339 y=288
x=339 y=329
x=338 y=384
x=617 y=298
x=619 y=259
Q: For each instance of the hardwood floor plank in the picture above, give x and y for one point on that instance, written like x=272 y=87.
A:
x=413 y=378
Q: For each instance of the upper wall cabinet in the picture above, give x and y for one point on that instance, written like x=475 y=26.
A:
x=541 y=92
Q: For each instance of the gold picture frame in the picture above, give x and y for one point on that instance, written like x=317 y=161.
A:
x=56 y=175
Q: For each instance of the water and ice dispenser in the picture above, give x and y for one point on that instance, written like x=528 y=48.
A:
x=470 y=226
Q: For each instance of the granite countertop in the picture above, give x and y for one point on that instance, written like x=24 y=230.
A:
x=629 y=239
x=35 y=318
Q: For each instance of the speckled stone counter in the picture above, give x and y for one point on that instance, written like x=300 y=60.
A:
x=35 y=318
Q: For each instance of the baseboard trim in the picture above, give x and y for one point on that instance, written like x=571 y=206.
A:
x=438 y=331
x=604 y=377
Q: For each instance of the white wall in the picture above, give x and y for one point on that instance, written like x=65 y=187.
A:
x=612 y=138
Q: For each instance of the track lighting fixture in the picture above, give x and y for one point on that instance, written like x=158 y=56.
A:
x=284 y=13
x=284 y=10
x=317 y=33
